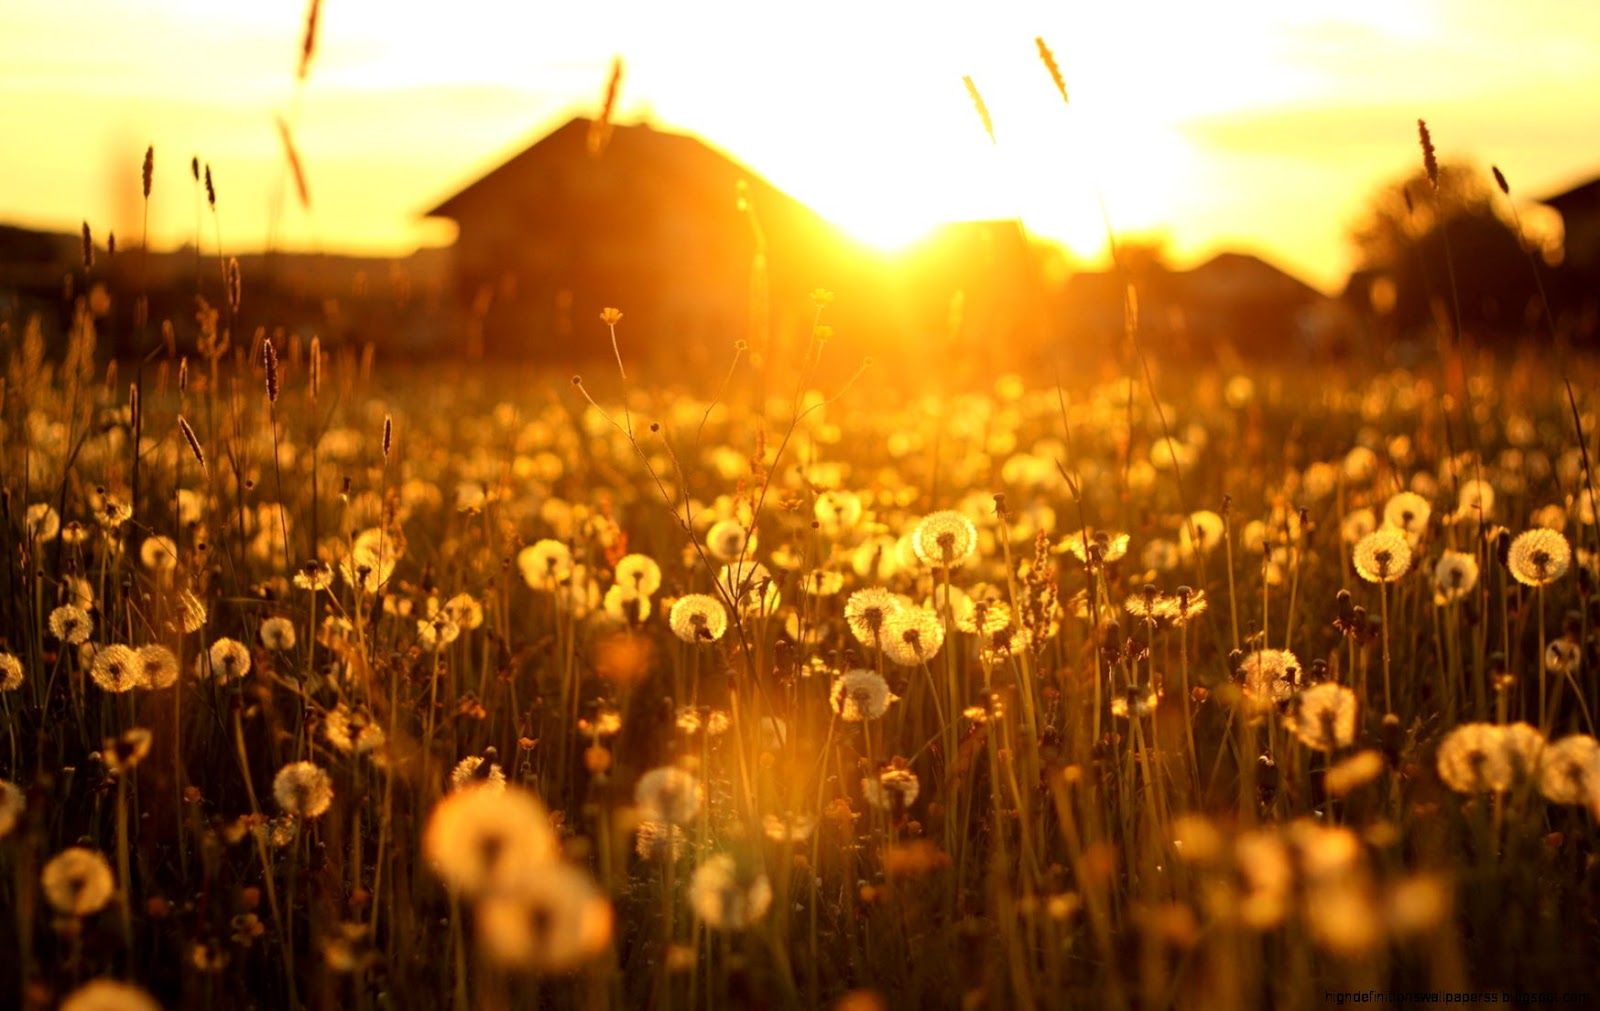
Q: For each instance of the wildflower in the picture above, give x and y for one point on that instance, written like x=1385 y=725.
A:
x=109 y=995
x=1454 y=576
x=158 y=667
x=892 y=789
x=313 y=575
x=983 y=616
x=1185 y=605
x=867 y=611
x=837 y=510
x=303 y=790
x=1475 y=501
x=822 y=582
x=552 y=920
x=1266 y=877
x=229 y=659
x=1382 y=556
x=277 y=634
x=1472 y=758
x=656 y=840
x=912 y=636
x=352 y=731
x=1357 y=524
x=698 y=618
x=624 y=603
x=437 y=632
x=726 y=897
x=111 y=512
x=10 y=673
x=122 y=754
x=788 y=827
x=71 y=624
x=1201 y=532
x=465 y=610
x=1094 y=547
x=1324 y=717
x=545 y=564
x=479 y=840
x=1407 y=511
x=78 y=882
x=116 y=669
x=42 y=522
x=1562 y=656
x=1270 y=676
x=728 y=540
x=1539 y=557
x=860 y=695
x=158 y=554
x=479 y=771
x=1136 y=702
x=668 y=794
x=944 y=540
x=639 y=573
x=1569 y=770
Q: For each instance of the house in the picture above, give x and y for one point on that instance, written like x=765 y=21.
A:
x=1579 y=208
x=657 y=224
x=1234 y=304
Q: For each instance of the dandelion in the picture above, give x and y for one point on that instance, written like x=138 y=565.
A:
x=1201 y=532
x=78 y=882
x=668 y=794
x=659 y=840
x=71 y=624
x=1473 y=758
x=1569 y=770
x=728 y=540
x=42 y=522
x=437 y=632
x=313 y=575
x=158 y=554
x=1455 y=575
x=1539 y=557
x=698 y=618
x=1270 y=676
x=944 y=540
x=867 y=611
x=229 y=658
x=1407 y=511
x=727 y=897
x=788 y=828
x=545 y=564
x=277 y=634
x=10 y=673
x=1475 y=500
x=352 y=730
x=465 y=610
x=1136 y=702
x=303 y=790
x=912 y=636
x=1094 y=547
x=626 y=604
x=860 y=695
x=1324 y=717
x=639 y=573
x=893 y=789
x=478 y=841
x=121 y=754
x=109 y=995
x=477 y=771
x=1382 y=556
x=553 y=919
x=116 y=669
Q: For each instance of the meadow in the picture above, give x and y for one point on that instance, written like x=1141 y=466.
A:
x=335 y=683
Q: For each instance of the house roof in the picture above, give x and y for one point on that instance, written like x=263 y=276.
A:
x=1578 y=197
x=683 y=157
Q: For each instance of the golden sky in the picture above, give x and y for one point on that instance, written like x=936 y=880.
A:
x=1246 y=124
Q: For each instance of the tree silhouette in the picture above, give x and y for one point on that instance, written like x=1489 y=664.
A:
x=1428 y=253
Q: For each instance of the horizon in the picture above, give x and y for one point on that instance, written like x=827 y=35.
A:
x=1281 y=125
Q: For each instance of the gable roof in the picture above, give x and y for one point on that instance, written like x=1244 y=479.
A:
x=687 y=160
x=1578 y=197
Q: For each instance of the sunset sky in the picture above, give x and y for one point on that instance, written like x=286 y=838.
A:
x=1241 y=124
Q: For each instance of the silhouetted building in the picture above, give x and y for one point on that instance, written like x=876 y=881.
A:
x=1579 y=208
x=647 y=221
